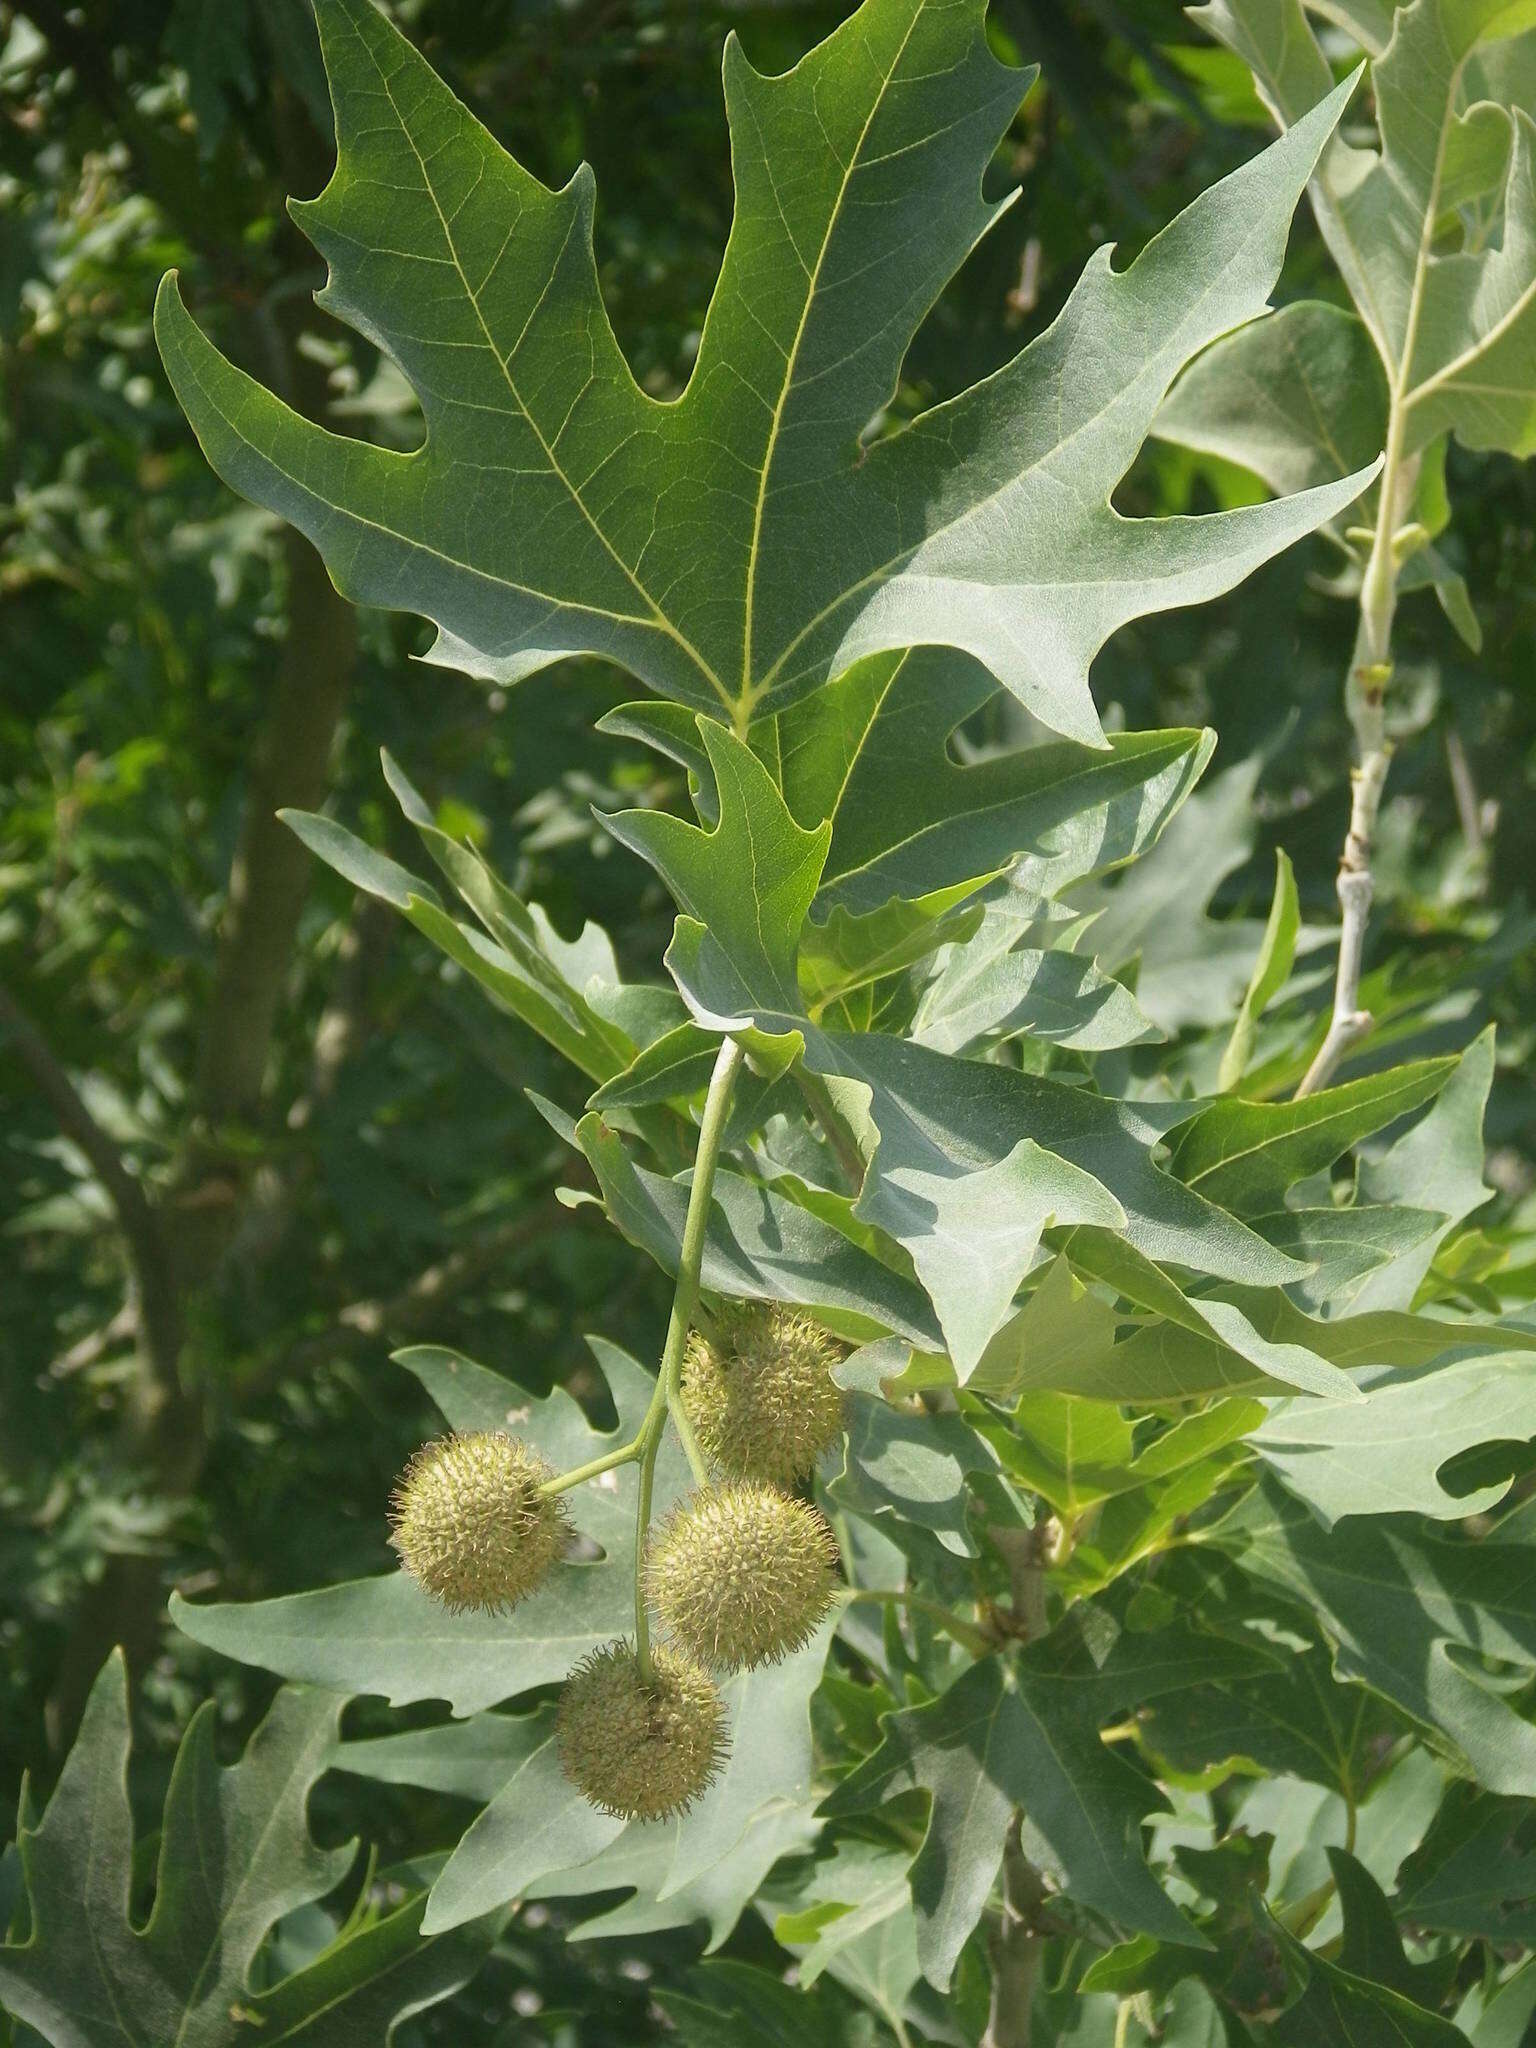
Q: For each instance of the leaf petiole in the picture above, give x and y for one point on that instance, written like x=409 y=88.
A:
x=965 y=1633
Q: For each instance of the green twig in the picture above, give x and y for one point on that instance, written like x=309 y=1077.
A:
x=685 y=1296
x=969 y=1637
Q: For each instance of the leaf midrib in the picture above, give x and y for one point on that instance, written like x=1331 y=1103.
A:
x=662 y=622
x=850 y=170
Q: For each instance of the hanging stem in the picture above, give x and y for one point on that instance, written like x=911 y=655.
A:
x=685 y=1295
x=1014 y=1940
x=667 y=1400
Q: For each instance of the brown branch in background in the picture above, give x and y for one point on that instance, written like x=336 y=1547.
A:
x=344 y=1020
x=1015 y=1940
x=1016 y=1947
x=1473 y=817
x=272 y=869
x=90 y=1350
x=149 y=1256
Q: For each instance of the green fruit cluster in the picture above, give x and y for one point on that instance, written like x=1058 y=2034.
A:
x=739 y=1574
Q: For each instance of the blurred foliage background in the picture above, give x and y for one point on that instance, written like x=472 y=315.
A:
x=323 y=1146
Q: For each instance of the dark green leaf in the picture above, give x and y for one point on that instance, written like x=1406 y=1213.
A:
x=985 y=525
x=235 y=1857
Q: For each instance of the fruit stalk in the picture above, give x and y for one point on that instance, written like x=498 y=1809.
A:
x=685 y=1295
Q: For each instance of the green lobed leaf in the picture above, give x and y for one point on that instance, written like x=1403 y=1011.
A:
x=1295 y=1721
x=872 y=754
x=1396 y=1602
x=1383 y=1455
x=1024 y=1732
x=1372 y=1947
x=1078 y=1453
x=1296 y=398
x=1337 y=2007
x=235 y=1857
x=531 y=524
x=971 y=1161
x=1436 y=1165
x=1474 y=1873
x=1345 y=1244
x=1454 y=327
x=760 y=1247
x=517 y=961
x=911 y=1468
x=1245 y=1155
x=386 y=1635
x=980 y=994
x=536 y=1827
x=849 y=1915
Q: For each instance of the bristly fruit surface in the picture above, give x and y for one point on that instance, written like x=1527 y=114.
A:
x=471 y=1524
x=741 y=1575
x=761 y=1393
x=642 y=1749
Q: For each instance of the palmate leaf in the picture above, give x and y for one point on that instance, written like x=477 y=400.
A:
x=869 y=754
x=1383 y=1455
x=1295 y=1722
x=386 y=1635
x=1474 y=1873
x=1348 y=2011
x=1410 y=1615
x=537 y=1830
x=760 y=1247
x=1455 y=330
x=1246 y=1154
x=1026 y=1733
x=735 y=549
x=848 y=1915
x=235 y=1856
x=970 y=1161
x=1439 y=1165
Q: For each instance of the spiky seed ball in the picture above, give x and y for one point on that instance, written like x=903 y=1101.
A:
x=741 y=1575
x=762 y=1396
x=470 y=1523
x=644 y=1751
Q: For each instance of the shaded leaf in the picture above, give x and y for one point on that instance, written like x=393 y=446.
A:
x=1294 y=1721
x=1396 y=1603
x=1474 y=1873
x=235 y=1857
x=1024 y=1732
